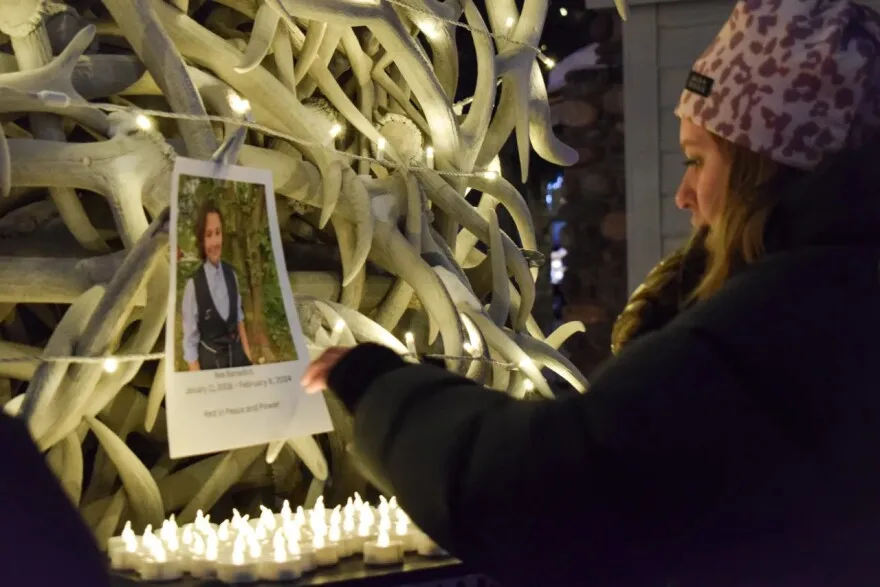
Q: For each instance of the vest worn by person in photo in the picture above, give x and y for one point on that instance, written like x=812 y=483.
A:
x=219 y=343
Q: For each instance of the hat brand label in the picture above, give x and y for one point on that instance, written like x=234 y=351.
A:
x=699 y=84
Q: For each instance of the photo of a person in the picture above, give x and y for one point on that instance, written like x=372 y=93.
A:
x=214 y=333
x=229 y=310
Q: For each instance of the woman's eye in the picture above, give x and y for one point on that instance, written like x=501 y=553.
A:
x=691 y=162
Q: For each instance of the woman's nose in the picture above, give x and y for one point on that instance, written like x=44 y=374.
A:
x=685 y=196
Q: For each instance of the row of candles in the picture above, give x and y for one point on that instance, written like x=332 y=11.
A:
x=272 y=547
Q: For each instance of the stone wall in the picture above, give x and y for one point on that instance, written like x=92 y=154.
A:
x=588 y=115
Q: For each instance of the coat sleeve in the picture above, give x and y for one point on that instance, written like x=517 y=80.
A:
x=599 y=488
x=45 y=542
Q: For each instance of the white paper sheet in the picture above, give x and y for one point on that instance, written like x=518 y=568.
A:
x=220 y=407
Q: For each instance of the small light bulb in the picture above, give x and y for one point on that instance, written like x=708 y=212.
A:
x=335 y=130
x=238 y=104
x=429 y=156
x=339 y=326
x=563 y=11
x=381 y=144
x=509 y=22
x=490 y=174
x=110 y=365
x=529 y=385
x=548 y=62
x=143 y=122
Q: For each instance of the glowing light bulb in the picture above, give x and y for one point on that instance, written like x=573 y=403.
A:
x=223 y=531
x=335 y=130
x=548 y=62
x=563 y=11
x=430 y=28
x=238 y=104
x=334 y=535
x=157 y=553
x=127 y=532
x=508 y=24
x=410 y=343
x=429 y=156
x=348 y=524
x=261 y=532
x=211 y=547
x=293 y=547
x=198 y=546
x=279 y=549
x=110 y=365
x=383 y=539
x=238 y=555
x=254 y=549
x=143 y=122
x=490 y=174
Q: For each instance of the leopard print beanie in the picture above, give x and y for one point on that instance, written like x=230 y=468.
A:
x=795 y=80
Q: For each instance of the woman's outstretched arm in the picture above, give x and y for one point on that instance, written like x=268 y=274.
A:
x=604 y=488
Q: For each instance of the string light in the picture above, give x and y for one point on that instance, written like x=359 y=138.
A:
x=335 y=130
x=143 y=122
x=110 y=364
x=429 y=156
x=509 y=22
x=238 y=104
x=563 y=11
x=489 y=174
x=380 y=144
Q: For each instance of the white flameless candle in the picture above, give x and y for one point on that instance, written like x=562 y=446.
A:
x=158 y=566
x=204 y=564
x=402 y=533
x=280 y=566
x=237 y=567
x=306 y=556
x=123 y=550
x=326 y=553
x=383 y=551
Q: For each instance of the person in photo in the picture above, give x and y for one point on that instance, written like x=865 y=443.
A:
x=214 y=333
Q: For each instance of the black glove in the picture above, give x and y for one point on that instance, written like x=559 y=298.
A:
x=664 y=293
x=358 y=369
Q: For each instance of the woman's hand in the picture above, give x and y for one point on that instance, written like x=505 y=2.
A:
x=315 y=378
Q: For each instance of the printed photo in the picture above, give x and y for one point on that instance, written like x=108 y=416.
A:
x=234 y=344
x=230 y=306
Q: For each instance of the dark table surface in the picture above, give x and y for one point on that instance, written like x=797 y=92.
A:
x=351 y=571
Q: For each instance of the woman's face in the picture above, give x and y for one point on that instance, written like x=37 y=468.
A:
x=213 y=237
x=707 y=170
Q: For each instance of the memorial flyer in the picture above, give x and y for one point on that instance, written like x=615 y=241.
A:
x=234 y=344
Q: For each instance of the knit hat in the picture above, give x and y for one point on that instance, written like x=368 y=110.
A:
x=795 y=80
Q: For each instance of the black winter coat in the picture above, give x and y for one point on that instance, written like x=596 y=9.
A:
x=43 y=540
x=738 y=446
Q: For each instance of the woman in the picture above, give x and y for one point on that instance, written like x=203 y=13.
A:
x=736 y=440
x=214 y=335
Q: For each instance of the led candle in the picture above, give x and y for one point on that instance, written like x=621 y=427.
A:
x=158 y=566
x=205 y=564
x=306 y=556
x=223 y=534
x=402 y=533
x=326 y=553
x=383 y=551
x=286 y=512
x=123 y=550
x=267 y=519
x=237 y=567
x=280 y=566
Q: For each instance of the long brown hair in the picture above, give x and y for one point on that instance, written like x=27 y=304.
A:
x=737 y=238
